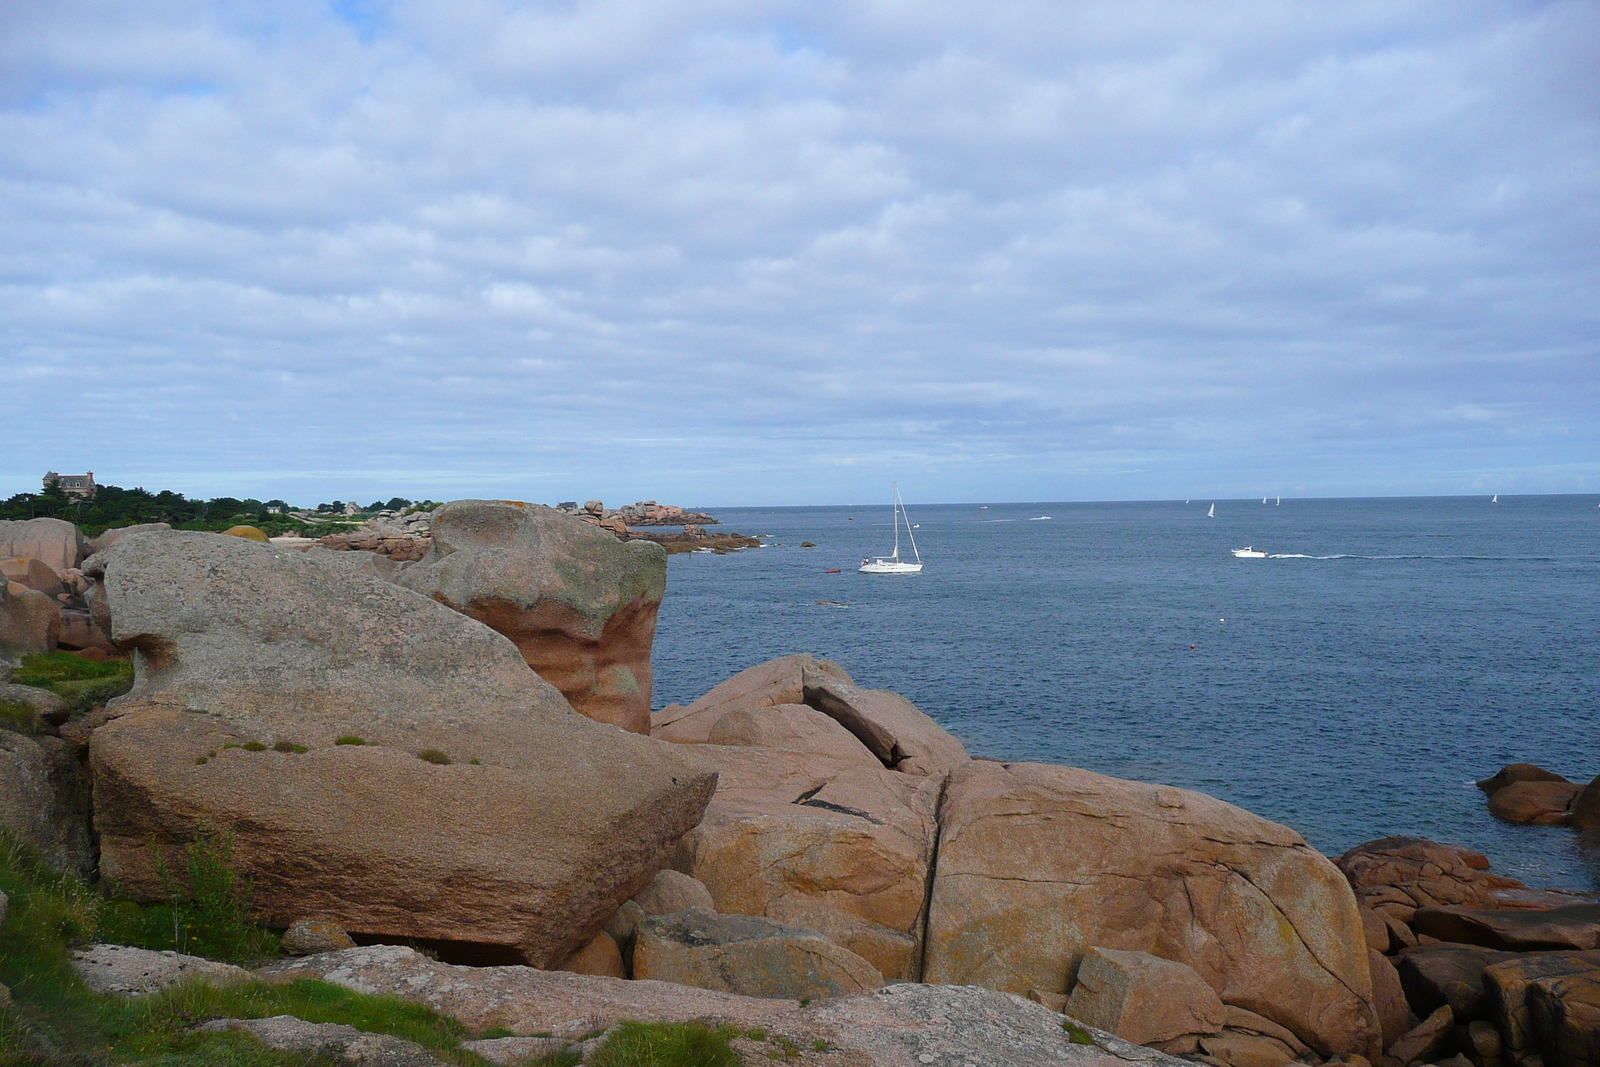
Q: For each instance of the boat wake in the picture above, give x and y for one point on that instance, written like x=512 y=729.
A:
x=1352 y=555
x=1039 y=518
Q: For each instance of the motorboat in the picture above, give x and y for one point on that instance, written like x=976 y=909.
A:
x=1249 y=553
x=892 y=563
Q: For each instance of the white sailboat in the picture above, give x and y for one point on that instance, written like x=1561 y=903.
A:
x=1263 y=500
x=1496 y=499
x=892 y=563
x=1280 y=502
x=1212 y=513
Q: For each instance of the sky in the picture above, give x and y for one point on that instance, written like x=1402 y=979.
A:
x=756 y=252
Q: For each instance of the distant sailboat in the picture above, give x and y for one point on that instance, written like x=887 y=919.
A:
x=1496 y=499
x=1212 y=513
x=1263 y=500
x=892 y=564
x=1280 y=502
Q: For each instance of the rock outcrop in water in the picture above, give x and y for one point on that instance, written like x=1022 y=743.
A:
x=383 y=761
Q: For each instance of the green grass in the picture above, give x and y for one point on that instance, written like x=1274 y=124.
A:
x=80 y=682
x=1077 y=1034
x=433 y=755
x=349 y=739
x=16 y=717
x=668 y=1045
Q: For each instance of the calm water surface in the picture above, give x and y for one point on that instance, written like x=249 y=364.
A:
x=1351 y=690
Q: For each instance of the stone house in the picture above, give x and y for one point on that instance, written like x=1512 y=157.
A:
x=79 y=485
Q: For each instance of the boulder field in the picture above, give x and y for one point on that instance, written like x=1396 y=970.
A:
x=383 y=761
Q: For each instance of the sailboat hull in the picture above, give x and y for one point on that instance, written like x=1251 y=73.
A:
x=889 y=566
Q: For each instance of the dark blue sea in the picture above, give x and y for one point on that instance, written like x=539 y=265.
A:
x=1352 y=689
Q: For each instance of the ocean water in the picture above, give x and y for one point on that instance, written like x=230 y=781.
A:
x=1351 y=687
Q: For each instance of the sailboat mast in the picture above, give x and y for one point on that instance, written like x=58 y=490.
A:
x=896 y=521
x=914 y=553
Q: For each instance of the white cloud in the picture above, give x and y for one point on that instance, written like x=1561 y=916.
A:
x=781 y=252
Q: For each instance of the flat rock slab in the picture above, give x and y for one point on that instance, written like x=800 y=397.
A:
x=1507 y=988
x=119 y=970
x=289 y=1034
x=1143 y=998
x=1576 y=926
x=747 y=954
x=1435 y=975
x=900 y=1026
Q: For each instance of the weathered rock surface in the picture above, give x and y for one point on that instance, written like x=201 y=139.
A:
x=1566 y=1019
x=889 y=725
x=600 y=956
x=523 y=844
x=48 y=708
x=1538 y=803
x=789 y=728
x=1435 y=975
x=56 y=542
x=1142 y=998
x=839 y=847
x=1397 y=875
x=580 y=605
x=778 y=681
x=747 y=954
x=1426 y=1041
x=900 y=1026
x=1576 y=926
x=32 y=573
x=1506 y=987
x=1246 y=1050
x=1512 y=773
x=30 y=623
x=673 y=891
x=1389 y=998
x=290 y=1034
x=42 y=800
x=307 y=937
x=119 y=970
x=117 y=533
x=1039 y=863
x=1585 y=811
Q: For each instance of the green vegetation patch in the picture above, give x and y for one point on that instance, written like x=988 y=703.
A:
x=349 y=739
x=18 y=718
x=668 y=1045
x=82 y=683
x=433 y=755
x=1077 y=1034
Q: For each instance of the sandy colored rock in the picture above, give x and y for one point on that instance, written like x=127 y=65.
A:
x=579 y=604
x=30 y=623
x=893 y=1027
x=889 y=725
x=789 y=728
x=838 y=847
x=1247 y=1050
x=1565 y=1012
x=1486 y=1047
x=57 y=543
x=747 y=954
x=249 y=533
x=671 y=891
x=307 y=937
x=117 y=533
x=1375 y=930
x=1412 y=872
x=1389 y=998
x=118 y=970
x=1512 y=773
x=1434 y=975
x=1585 y=811
x=524 y=853
x=1142 y=998
x=1576 y=926
x=33 y=573
x=1426 y=1040
x=1538 y=803
x=1039 y=863
x=600 y=956
x=48 y=708
x=778 y=681
x=1506 y=986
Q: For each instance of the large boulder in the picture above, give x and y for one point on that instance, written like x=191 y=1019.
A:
x=56 y=542
x=33 y=573
x=117 y=533
x=384 y=762
x=840 y=847
x=1585 y=810
x=1397 y=875
x=747 y=954
x=42 y=799
x=1039 y=863
x=1142 y=998
x=1575 y=926
x=890 y=725
x=1507 y=987
x=1513 y=773
x=1435 y=975
x=1538 y=803
x=30 y=623
x=775 y=682
x=790 y=728
x=579 y=604
x=1566 y=1019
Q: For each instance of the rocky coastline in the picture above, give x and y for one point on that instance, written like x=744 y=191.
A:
x=434 y=746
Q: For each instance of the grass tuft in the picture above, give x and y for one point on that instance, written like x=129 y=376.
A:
x=668 y=1045
x=289 y=746
x=253 y=746
x=349 y=739
x=18 y=718
x=1077 y=1034
x=433 y=755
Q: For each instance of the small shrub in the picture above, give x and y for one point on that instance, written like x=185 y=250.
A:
x=474 y=761
x=253 y=746
x=820 y=1045
x=200 y=759
x=756 y=1035
x=210 y=902
x=349 y=739
x=289 y=746
x=668 y=1045
x=1077 y=1034
x=433 y=755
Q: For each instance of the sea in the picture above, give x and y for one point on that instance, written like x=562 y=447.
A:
x=1352 y=685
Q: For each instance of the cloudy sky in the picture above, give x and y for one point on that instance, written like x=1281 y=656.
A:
x=779 y=252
